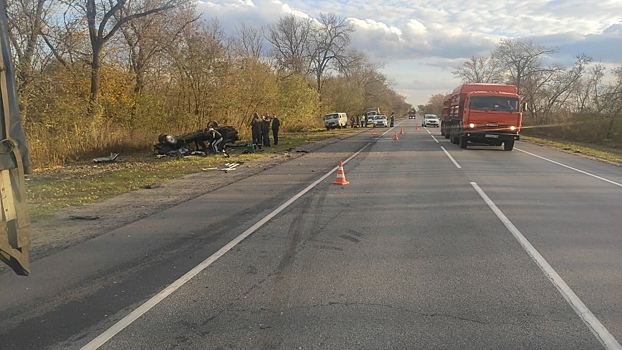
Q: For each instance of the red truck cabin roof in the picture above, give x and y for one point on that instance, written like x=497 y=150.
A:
x=467 y=88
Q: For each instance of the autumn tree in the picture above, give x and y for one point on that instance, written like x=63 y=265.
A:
x=104 y=18
x=329 y=43
x=148 y=37
x=199 y=57
x=26 y=19
x=584 y=99
x=298 y=104
x=550 y=89
x=341 y=95
x=366 y=76
x=480 y=70
x=521 y=59
x=434 y=105
x=289 y=39
x=610 y=104
x=249 y=41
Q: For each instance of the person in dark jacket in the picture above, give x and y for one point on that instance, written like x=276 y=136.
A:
x=256 y=130
x=265 y=130
x=276 y=124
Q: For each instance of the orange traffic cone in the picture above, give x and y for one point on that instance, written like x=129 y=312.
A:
x=395 y=136
x=341 y=176
x=374 y=133
x=417 y=127
x=401 y=131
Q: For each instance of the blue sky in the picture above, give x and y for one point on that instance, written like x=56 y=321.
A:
x=421 y=42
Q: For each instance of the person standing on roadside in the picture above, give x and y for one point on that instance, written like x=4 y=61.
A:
x=256 y=130
x=276 y=124
x=265 y=130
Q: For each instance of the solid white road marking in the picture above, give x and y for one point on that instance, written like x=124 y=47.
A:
x=603 y=335
x=155 y=300
x=451 y=158
x=571 y=168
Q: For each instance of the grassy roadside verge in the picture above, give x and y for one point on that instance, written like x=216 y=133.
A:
x=84 y=182
x=51 y=190
x=604 y=154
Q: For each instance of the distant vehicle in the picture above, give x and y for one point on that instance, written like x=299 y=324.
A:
x=430 y=120
x=370 y=119
x=412 y=115
x=335 y=120
x=381 y=120
x=372 y=111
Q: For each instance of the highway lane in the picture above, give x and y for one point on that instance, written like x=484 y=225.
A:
x=406 y=256
x=569 y=208
x=92 y=282
x=379 y=264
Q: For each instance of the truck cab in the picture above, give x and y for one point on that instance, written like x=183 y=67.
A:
x=484 y=113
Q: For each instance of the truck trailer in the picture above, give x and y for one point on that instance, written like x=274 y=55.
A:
x=445 y=115
x=483 y=113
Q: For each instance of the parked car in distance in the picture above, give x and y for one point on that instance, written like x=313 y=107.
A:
x=335 y=120
x=381 y=120
x=430 y=120
x=370 y=119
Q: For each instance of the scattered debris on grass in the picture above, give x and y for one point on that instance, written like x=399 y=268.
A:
x=111 y=158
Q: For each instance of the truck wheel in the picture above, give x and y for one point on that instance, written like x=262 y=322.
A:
x=463 y=141
x=508 y=145
x=454 y=139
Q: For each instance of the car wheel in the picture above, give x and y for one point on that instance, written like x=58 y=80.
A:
x=508 y=145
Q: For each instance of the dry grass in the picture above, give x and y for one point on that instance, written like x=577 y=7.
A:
x=608 y=154
x=83 y=181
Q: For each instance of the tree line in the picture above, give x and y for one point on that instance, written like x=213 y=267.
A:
x=96 y=76
x=581 y=102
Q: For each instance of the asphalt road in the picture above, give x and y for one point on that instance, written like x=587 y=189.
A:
x=429 y=246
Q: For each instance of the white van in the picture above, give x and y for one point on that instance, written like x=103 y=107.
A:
x=335 y=120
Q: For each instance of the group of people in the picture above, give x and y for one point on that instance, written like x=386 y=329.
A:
x=260 y=128
x=355 y=121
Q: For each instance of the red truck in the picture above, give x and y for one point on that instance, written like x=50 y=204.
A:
x=445 y=116
x=483 y=113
